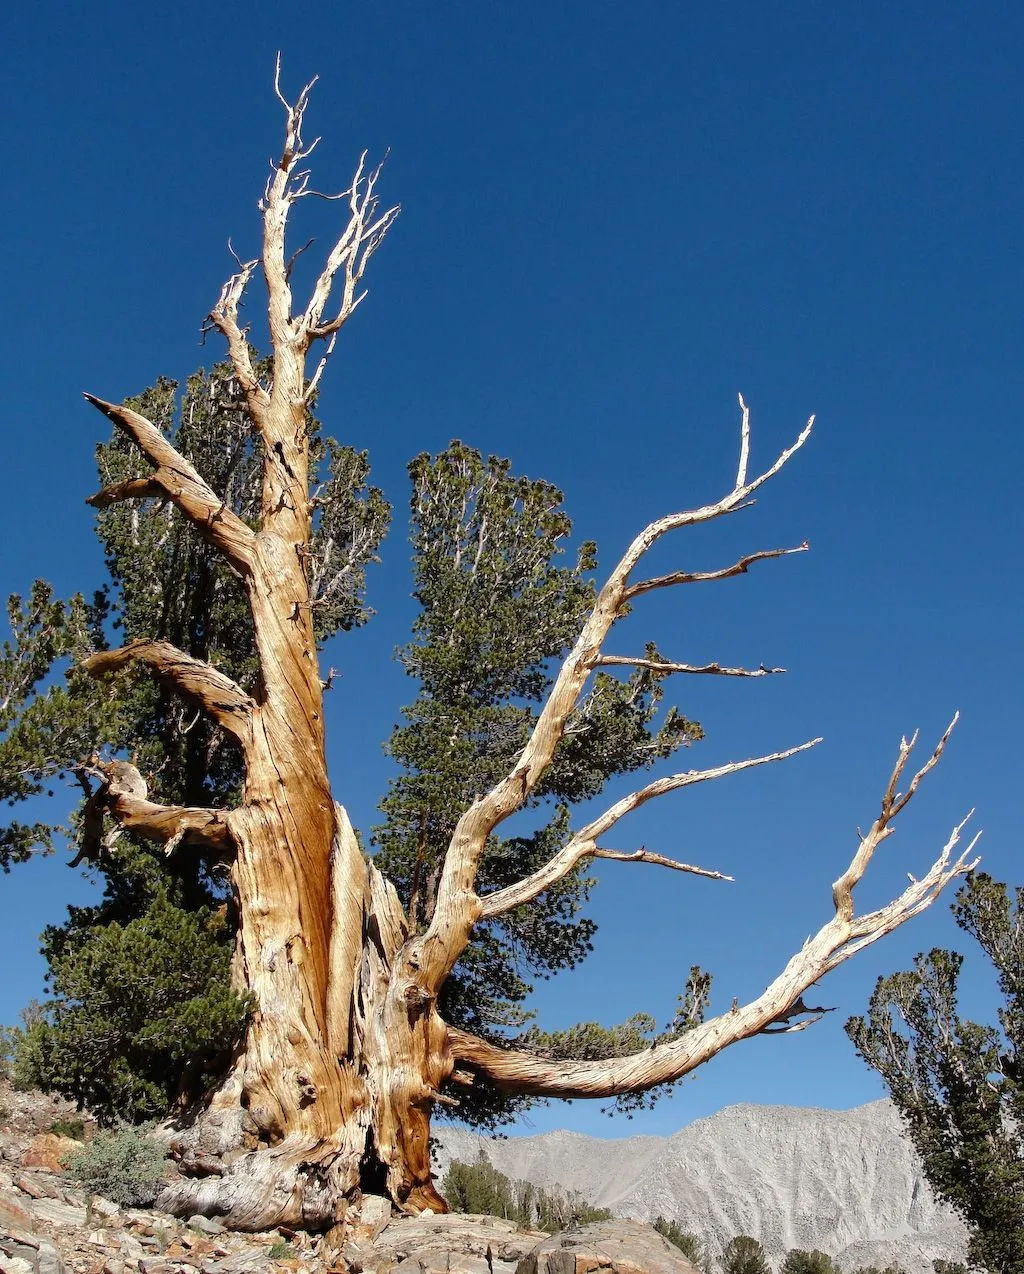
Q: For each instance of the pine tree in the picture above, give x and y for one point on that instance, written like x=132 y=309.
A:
x=959 y=1085
x=798 y=1261
x=744 y=1255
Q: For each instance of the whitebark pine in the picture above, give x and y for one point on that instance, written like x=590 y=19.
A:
x=346 y=1053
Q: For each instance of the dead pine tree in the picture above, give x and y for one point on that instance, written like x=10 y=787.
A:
x=346 y=1051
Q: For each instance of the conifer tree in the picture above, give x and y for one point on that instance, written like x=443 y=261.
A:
x=958 y=1084
x=744 y=1255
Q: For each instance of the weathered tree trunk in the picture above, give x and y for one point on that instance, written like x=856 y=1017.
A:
x=345 y=1053
x=343 y=1057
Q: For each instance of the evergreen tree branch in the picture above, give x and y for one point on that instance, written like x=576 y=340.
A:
x=182 y=484
x=198 y=681
x=519 y=1071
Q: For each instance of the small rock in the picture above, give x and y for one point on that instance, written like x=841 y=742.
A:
x=17 y=1265
x=369 y=1220
x=130 y=1246
x=105 y=1208
x=113 y=1266
x=205 y=1225
x=357 y=1256
x=50 y=1260
x=36 y=1187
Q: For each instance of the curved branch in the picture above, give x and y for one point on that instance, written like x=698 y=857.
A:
x=170 y=825
x=218 y=696
x=583 y=844
x=836 y=941
x=224 y=317
x=132 y=489
x=181 y=483
x=457 y=905
x=122 y=793
x=702 y=577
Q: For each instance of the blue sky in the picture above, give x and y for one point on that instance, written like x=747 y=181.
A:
x=614 y=218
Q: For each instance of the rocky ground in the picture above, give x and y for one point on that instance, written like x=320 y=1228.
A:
x=49 y=1226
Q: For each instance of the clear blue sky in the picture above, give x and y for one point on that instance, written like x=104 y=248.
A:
x=614 y=217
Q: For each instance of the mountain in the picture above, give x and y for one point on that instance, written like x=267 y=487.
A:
x=845 y=1182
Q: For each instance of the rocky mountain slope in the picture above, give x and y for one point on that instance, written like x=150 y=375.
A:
x=845 y=1182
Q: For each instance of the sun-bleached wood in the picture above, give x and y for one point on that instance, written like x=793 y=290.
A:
x=346 y=1053
x=837 y=940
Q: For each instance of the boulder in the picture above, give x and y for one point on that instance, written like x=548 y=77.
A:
x=369 y=1219
x=13 y=1214
x=611 y=1247
x=49 y=1151
x=430 y=1244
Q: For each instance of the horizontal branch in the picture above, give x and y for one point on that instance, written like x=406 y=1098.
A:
x=659 y=860
x=183 y=485
x=133 y=489
x=659 y=665
x=702 y=577
x=519 y=1071
x=123 y=795
x=170 y=825
x=194 y=679
x=583 y=843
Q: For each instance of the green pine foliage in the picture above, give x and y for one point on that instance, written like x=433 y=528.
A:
x=498 y=607
x=481 y=1190
x=689 y=1244
x=744 y=1255
x=959 y=1085
x=43 y=724
x=798 y=1261
x=142 y=1012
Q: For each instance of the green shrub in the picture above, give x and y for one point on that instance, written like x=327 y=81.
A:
x=280 y=1250
x=73 y=1128
x=123 y=1165
x=481 y=1189
x=690 y=1246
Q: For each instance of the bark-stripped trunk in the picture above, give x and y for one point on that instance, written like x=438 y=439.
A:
x=345 y=1054
x=332 y=1092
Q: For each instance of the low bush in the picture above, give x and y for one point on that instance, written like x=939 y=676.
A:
x=122 y=1164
